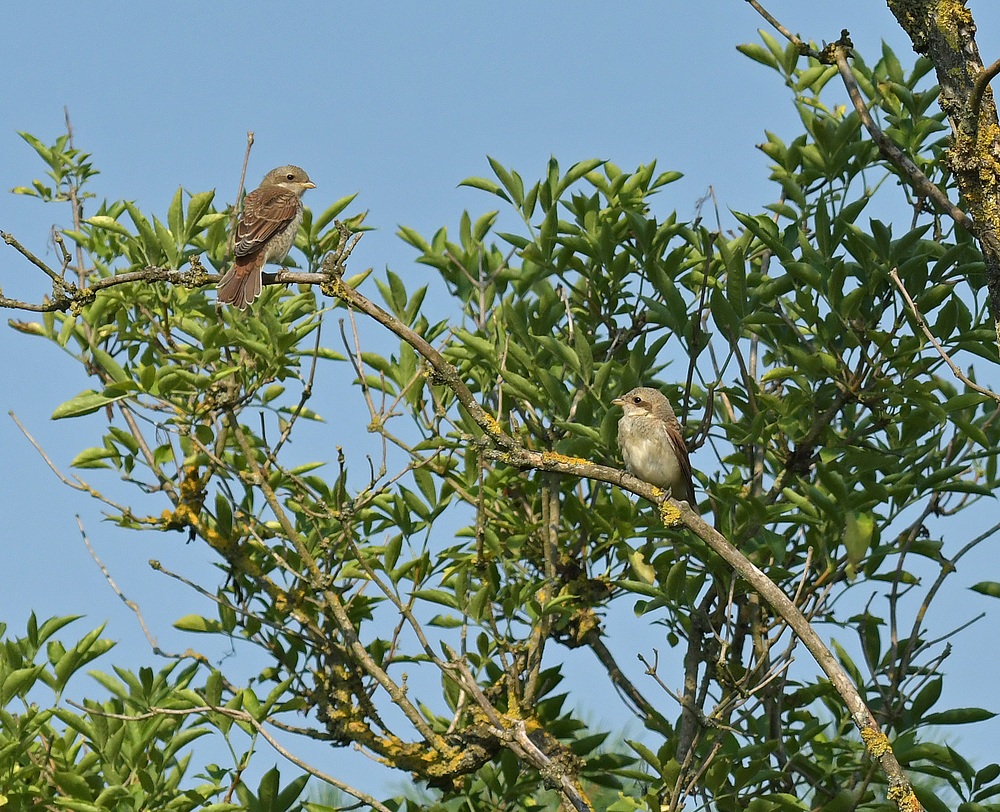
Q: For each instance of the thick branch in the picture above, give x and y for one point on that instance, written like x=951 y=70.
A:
x=511 y=453
x=946 y=33
x=681 y=512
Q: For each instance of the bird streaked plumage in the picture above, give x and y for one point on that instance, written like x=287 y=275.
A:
x=652 y=445
x=265 y=232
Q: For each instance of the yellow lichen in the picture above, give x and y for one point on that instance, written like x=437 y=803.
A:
x=197 y=276
x=670 y=515
x=490 y=424
x=552 y=456
x=81 y=299
x=876 y=741
x=953 y=16
x=333 y=287
x=904 y=799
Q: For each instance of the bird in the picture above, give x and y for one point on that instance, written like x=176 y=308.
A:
x=651 y=442
x=265 y=232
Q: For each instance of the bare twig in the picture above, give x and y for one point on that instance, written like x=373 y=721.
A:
x=979 y=88
x=75 y=483
x=642 y=706
x=12 y=241
x=894 y=275
x=921 y=184
x=803 y=47
x=74 y=201
x=129 y=603
x=239 y=195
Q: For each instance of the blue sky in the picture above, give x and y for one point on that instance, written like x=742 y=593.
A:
x=397 y=102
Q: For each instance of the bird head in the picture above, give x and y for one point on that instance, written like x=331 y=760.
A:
x=645 y=401
x=290 y=177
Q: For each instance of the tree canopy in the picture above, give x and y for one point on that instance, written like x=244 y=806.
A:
x=419 y=604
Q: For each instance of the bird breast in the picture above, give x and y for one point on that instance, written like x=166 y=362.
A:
x=279 y=245
x=648 y=453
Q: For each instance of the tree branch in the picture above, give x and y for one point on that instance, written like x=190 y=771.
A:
x=509 y=452
x=921 y=184
x=894 y=275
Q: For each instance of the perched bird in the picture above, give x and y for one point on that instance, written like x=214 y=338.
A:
x=652 y=444
x=265 y=232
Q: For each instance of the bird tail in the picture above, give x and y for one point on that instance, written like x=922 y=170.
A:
x=241 y=285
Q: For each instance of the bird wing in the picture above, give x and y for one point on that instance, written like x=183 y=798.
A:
x=266 y=211
x=683 y=461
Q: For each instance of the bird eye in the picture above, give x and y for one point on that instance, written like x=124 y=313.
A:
x=637 y=400
x=290 y=176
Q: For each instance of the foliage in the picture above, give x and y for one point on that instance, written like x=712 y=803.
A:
x=419 y=609
x=113 y=754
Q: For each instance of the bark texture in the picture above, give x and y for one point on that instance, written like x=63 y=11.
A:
x=945 y=32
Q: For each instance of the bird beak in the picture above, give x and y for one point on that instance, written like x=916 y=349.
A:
x=618 y=402
x=308 y=185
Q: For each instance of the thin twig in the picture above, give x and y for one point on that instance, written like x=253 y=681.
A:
x=12 y=241
x=237 y=610
x=894 y=275
x=239 y=195
x=129 y=603
x=803 y=47
x=978 y=89
x=642 y=707
x=74 y=202
x=921 y=184
x=76 y=483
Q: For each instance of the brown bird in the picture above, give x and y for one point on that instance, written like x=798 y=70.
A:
x=652 y=445
x=265 y=232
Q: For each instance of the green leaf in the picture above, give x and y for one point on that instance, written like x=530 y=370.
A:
x=391 y=552
x=758 y=53
x=223 y=516
x=108 y=224
x=641 y=567
x=167 y=243
x=437 y=596
x=483 y=225
x=92 y=458
x=197 y=623
x=958 y=716
x=991 y=588
x=198 y=207
x=511 y=181
x=486 y=185
x=87 y=402
x=413 y=237
x=445 y=622
x=17 y=682
x=577 y=171
x=926 y=699
x=146 y=232
x=332 y=211
x=175 y=214
x=109 y=365
x=858 y=535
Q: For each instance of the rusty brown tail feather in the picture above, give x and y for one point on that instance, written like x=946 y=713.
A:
x=242 y=284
